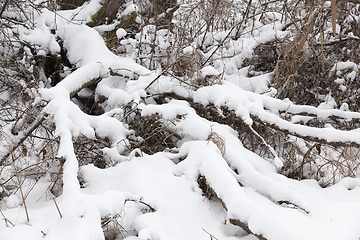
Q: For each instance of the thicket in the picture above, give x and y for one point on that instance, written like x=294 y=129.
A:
x=308 y=65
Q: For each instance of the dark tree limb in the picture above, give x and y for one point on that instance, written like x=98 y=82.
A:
x=3 y=8
x=246 y=228
x=26 y=134
x=272 y=126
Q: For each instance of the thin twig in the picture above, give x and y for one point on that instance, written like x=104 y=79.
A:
x=3 y=8
x=211 y=236
x=140 y=201
x=57 y=207
x=164 y=71
x=23 y=198
x=6 y=220
x=26 y=134
x=228 y=35
x=180 y=80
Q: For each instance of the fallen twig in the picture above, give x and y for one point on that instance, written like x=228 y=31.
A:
x=57 y=207
x=6 y=220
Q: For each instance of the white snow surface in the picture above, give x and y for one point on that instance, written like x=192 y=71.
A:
x=120 y=33
x=272 y=205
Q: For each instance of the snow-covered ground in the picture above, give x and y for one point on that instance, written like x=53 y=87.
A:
x=158 y=196
x=181 y=210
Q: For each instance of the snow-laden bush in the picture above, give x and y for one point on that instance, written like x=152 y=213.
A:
x=179 y=120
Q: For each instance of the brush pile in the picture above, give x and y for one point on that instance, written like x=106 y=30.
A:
x=165 y=119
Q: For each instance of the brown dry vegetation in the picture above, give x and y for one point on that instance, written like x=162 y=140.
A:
x=301 y=65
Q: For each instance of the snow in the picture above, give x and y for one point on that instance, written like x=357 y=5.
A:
x=12 y=201
x=245 y=103
x=130 y=8
x=41 y=36
x=120 y=33
x=188 y=49
x=209 y=71
x=176 y=189
x=344 y=65
x=257 y=84
x=158 y=196
x=172 y=208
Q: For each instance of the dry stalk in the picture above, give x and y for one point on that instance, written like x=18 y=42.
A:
x=26 y=134
x=212 y=237
x=57 y=207
x=7 y=221
x=218 y=140
x=333 y=16
x=20 y=182
x=23 y=200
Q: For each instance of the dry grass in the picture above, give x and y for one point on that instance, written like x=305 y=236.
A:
x=88 y=151
x=112 y=227
x=154 y=135
x=218 y=140
x=208 y=192
x=303 y=67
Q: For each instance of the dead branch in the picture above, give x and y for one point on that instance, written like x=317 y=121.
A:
x=307 y=138
x=3 y=8
x=26 y=134
x=246 y=228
